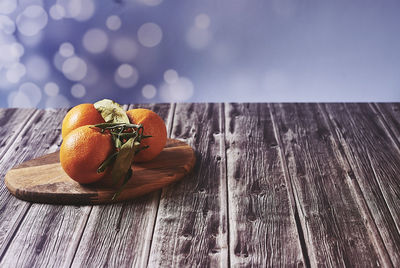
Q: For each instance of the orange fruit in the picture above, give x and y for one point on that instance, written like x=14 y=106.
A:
x=154 y=126
x=83 y=151
x=81 y=115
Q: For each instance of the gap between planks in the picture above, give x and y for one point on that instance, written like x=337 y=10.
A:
x=223 y=113
x=340 y=157
x=25 y=206
x=170 y=124
x=360 y=198
x=293 y=199
x=183 y=235
x=124 y=208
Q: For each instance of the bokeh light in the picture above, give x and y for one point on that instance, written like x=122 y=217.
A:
x=51 y=89
x=80 y=10
x=160 y=51
x=113 y=23
x=126 y=76
x=10 y=53
x=7 y=6
x=74 y=68
x=202 y=21
x=87 y=10
x=32 y=20
x=124 y=49
x=149 y=34
x=180 y=90
x=57 y=101
x=149 y=91
x=95 y=40
x=31 y=41
x=58 y=61
x=37 y=67
x=78 y=90
x=15 y=72
x=57 y=12
x=7 y=26
x=171 y=76
x=66 y=50
x=27 y=96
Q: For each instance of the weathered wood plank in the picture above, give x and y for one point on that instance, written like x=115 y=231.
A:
x=334 y=228
x=120 y=235
x=261 y=220
x=48 y=237
x=191 y=226
x=391 y=114
x=374 y=157
x=39 y=136
x=12 y=121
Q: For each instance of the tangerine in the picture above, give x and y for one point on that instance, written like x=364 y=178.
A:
x=80 y=115
x=83 y=151
x=154 y=126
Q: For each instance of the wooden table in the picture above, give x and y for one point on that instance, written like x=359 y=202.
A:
x=274 y=185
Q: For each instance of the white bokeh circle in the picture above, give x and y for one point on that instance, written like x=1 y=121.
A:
x=149 y=91
x=181 y=90
x=51 y=89
x=28 y=95
x=113 y=22
x=32 y=20
x=149 y=34
x=7 y=6
x=95 y=40
x=15 y=72
x=74 y=68
x=57 y=12
x=7 y=25
x=171 y=76
x=66 y=50
x=202 y=21
x=78 y=91
x=126 y=76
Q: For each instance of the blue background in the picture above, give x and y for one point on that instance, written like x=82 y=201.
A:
x=198 y=51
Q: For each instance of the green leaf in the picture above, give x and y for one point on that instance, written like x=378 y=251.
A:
x=111 y=111
x=124 y=160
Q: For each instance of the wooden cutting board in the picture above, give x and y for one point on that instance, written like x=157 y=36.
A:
x=43 y=180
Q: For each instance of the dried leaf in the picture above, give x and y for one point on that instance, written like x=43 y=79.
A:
x=111 y=111
x=124 y=160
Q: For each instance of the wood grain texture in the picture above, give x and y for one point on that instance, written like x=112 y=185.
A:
x=261 y=221
x=191 y=226
x=333 y=226
x=374 y=158
x=12 y=121
x=341 y=163
x=120 y=235
x=39 y=135
x=391 y=115
x=48 y=237
x=43 y=180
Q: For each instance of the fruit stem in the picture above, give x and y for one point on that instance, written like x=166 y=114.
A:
x=121 y=133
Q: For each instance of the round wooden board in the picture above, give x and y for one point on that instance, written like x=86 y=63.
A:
x=43 y=180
